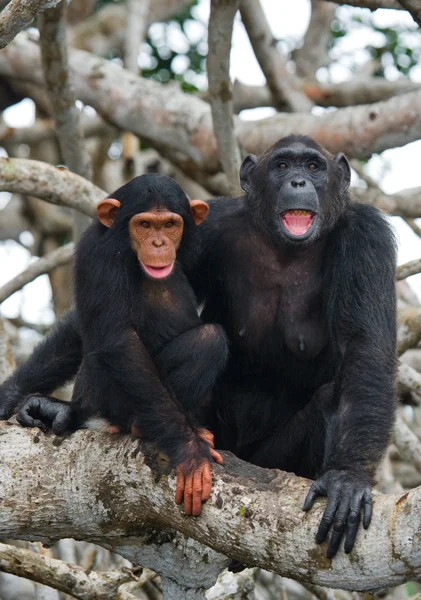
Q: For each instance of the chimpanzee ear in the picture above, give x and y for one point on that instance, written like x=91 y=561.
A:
x=199 y=210
x=107 y=210
x=341 y=160
x=246 y=168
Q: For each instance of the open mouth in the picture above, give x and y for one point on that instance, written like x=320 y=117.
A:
x=298 y=222
x=158 y=272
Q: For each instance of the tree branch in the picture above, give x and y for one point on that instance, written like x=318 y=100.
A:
x=313 y=54
x=410 y=268
x=407 y=443
x=117 y=492
x=414 y=8
x=221 y=22
x=54 y=55
x=409 y=380
x=52 y=184
x=284 y=86
x=137 y=29
x=18 y=14
x=370 y=4
x=360 y=90
x=65 y=577
x=57 y=258
x=409 y=331
x=106 y=29
x=44 y=129
x=180 y=127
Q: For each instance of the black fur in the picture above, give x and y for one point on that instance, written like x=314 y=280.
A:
x=309 y=386
x=148 y=361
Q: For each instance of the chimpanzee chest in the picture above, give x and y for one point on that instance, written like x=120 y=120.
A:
x=281 y=310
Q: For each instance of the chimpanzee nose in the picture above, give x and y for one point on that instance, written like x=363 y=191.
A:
x=158 y=243
x=298 y=183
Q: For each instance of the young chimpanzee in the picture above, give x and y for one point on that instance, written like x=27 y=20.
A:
x=148 y=361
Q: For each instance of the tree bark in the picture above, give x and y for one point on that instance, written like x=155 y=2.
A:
x=119 y=493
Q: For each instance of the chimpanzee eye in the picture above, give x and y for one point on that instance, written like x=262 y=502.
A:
x=313 y=166
x=145 y=224
x=283 y=166
x=169 y=224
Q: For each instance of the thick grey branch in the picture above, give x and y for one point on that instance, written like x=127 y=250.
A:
x=178 y=124
x=284 y=86
x=406 y=203
x=113 y=491
x=18 y=14
x=47 y=263
x=52 y=184
x=360 y=90
x=220 y=89
x=54 y=55
x=414 y=7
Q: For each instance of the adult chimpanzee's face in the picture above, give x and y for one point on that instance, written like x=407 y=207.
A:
x=295 y=190
x=297 y=182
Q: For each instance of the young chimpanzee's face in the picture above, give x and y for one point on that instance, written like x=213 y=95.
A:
x=156 y=236
x=153 y=212
x=295 y=189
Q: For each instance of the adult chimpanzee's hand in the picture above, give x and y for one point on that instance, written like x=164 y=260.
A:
x=194 y=484
x=346 y=494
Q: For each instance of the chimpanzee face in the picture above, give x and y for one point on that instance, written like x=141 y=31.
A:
x=153 y=214
x=295 y=188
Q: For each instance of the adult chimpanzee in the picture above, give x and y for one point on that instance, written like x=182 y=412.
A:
x=148 y=361
x=302 y=279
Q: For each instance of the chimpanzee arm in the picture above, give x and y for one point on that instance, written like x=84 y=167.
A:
x=362 y=311
x=190 y=365
x=123 y=358
x=54 y=362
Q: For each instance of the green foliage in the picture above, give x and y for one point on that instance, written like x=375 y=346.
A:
x=396 y=48
x=172 y=52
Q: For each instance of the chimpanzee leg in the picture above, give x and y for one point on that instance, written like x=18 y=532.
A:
x=191 y=364
x=54 y=361
x=299 y=445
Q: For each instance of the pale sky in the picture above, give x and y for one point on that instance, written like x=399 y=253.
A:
x=395 y=169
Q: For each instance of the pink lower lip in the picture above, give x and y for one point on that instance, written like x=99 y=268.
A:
x=158 y=272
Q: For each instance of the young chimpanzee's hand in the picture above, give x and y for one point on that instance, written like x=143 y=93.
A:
x=346 y=494
x=194 y=483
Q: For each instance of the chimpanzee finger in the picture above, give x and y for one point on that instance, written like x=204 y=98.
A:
x=197 y=492
x=25 y=419
x=354 y=518
x=316 y=489
x=206 y=481
x=368 y=507
x=188 y=494
x=216 y=456
x=180 y=485
x=328 y=515
x=339 y=527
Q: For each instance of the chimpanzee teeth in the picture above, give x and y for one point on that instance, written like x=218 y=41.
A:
x=300 y=213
